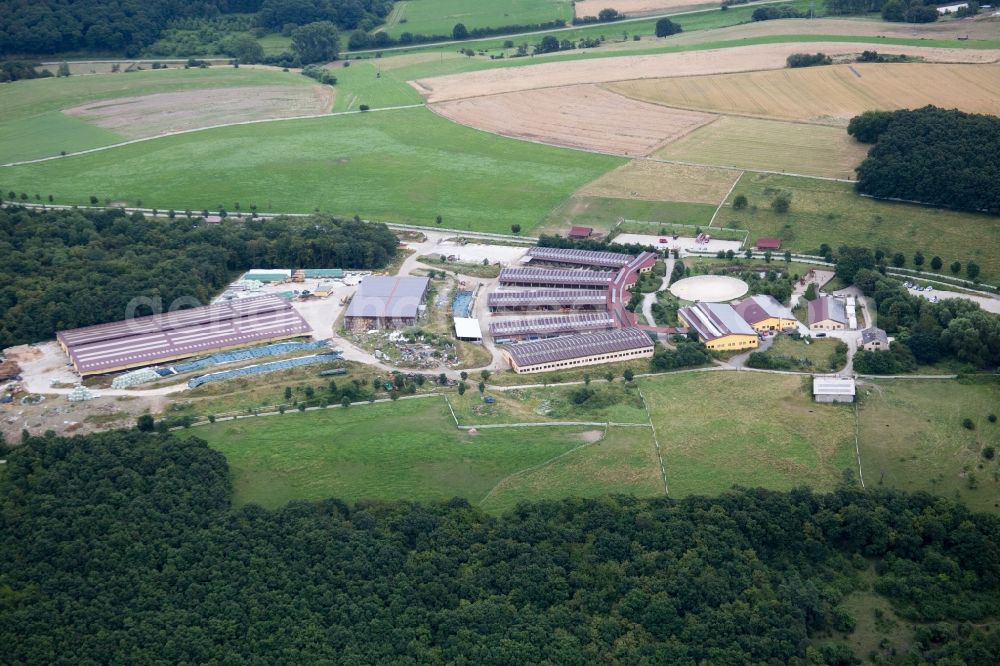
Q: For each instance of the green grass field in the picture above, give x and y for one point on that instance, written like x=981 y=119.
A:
x=32 y=125
x=623 y=463
x=719 y=429
x=602 y=213
x=411 y=450
x=438 y=17
x=769 y=145
x=402 y=166
x=813 y=356
x=832 y=213
x=364 y=83
x=912 y=438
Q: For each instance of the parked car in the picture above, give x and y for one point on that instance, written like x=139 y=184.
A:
x=820 y=335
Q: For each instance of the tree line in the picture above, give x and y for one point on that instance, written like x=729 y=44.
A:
x=943 y=157
x=925 y=332
x=69 y=268
x=124 y=546
x=126 y=27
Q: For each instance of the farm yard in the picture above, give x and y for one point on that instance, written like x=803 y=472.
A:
x=912 y=438
x=831 y=95
x=407 y=165
x=832 y=213
x=582 y=116
x=768 y=145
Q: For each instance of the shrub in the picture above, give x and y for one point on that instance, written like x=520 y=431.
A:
x=968 y=424
x=665 y=27
x=808 y=60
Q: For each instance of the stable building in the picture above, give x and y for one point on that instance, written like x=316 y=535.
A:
x=386 y=302
x=834 y=389
x=827 y=313
x=162 y=338
x=874 y=339
x=542 y=300
x=571 y=351
x=766 y=313
x=548 y=327
x=719 y=326
x=555 y=278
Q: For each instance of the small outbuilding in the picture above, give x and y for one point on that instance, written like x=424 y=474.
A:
x=580 y=233
x=768 y=244
x=834 y=389
x=874 y=339
x=468 y=329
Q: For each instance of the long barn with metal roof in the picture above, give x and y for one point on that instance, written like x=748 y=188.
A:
x=181 y=334
x=719 y=326
x=572 y=257
x=570 y=351
x=555 y=278
x=546 y=299
x=544 y=327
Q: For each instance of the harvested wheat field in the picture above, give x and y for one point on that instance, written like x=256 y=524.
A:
x=661 y=65
x=830 y=95
x=636 y=7
x=585 y=117
x=650 y=180
x=162 y=113
x=771 y=145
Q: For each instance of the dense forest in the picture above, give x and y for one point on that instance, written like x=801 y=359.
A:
x=926 y=332
x=935 y=156
x=68 y=268
x=126 y=27
x=122 y=547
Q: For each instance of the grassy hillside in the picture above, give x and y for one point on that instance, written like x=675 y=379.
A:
x=402 y=166
x=832 y=213
x=32 y=124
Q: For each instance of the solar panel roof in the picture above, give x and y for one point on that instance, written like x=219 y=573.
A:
x=152 y=339
x=552 y=325
x=556 y=276
x=581 y=257
x=578 y=346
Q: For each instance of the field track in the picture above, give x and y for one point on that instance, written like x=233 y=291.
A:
x=583 y=116
x=689 y=63
x=830 y=95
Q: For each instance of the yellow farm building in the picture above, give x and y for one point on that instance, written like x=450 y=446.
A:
x=765 y=313
x=719 y=326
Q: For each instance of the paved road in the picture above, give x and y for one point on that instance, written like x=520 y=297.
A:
x=649 y=299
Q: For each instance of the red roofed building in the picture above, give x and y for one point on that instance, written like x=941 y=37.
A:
x=768 y=244
x=581 y=233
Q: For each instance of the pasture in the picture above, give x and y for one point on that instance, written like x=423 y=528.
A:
x=603 y=213
x=912 y=438
x=768 y=145
x=411 y=450
x=366 y=83
x=831 y=95
x=636 y=7
x=32 y=122
x=438 y=17
x=719 y=429
x=402 y=166
x=832 y=213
